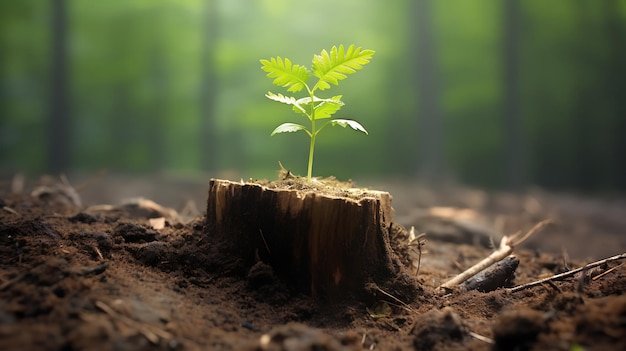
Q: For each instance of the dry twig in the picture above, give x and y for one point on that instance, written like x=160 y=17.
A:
x=416 y=243
x=507 y=245
x=569 y=273
x=10 y=210
x=482 y=338
x=606 y=272
x=403 y=304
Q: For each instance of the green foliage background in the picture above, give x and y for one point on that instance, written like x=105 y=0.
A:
x=136 y=68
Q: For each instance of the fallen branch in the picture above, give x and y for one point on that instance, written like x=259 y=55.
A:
x=493 y=277
x=507 y=245
x=568 y=273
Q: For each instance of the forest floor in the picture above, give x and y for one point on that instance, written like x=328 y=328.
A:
x=79 y=275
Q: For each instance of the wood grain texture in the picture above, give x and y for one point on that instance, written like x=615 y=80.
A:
x=323 y=244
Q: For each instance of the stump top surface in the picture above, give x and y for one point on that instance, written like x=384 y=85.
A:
x=317 y=186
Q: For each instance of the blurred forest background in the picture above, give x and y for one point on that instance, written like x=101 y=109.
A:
x=499 y=94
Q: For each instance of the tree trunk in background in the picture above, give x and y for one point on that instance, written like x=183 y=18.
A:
x=4 y=86
x=431 y=161
x=122 y=127
x=616 y=86
x=586 y=116
x=513 y=146
x=208 y=90
x=58 y=151
x=157 y=132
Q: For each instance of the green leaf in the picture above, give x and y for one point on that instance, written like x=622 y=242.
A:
x=324 y=108
x=332 y=67
x=348 y=122
x=328 y=107
x=286 y=74
x=289 y=128
x=301 y=106
x=286 y=100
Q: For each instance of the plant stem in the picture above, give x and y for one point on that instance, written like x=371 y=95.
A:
x=313 y=134
x=311 y=149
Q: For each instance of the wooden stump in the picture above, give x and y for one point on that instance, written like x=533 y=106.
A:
x=327 y=245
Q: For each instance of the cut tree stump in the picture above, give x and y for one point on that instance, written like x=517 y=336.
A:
x=330 y=246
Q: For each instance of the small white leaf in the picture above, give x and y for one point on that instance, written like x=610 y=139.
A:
x=289 y=128
x=327 y=107
x=281 y=98
x=348 y=122
x=289 y=100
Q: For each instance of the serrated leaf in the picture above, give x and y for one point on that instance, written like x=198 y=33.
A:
x=286 y=74
x=289 y=100
x=300 y=110
x=324 y=108
x=301 y=106
x=332 y=67
x=289 y=128
x=348 y=122
x=328 y=107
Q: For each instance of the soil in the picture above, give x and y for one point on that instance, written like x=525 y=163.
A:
x=75 y=276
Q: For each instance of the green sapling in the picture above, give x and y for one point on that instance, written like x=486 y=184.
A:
x=329 y=68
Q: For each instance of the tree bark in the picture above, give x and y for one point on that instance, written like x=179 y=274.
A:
x=325 y=245
x=157 y=129
x=431 y=162
x=615 y=77
x=208 y=88
x=58 y=151
x=513 y=147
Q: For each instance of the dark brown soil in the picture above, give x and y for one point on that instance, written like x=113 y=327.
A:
x=79 y=278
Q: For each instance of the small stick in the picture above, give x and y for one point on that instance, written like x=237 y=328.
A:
x=403 y=304
x=482 y=338
x=507 y=244
x=565 y=258
x=97 y=250
x=503 y=251
x=569 y=273
x=10 y=210
x=417 y=241
x=606 y=272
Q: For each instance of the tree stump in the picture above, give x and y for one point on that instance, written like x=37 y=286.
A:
x=328 y=245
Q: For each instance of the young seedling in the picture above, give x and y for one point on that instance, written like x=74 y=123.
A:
x=329 y=68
